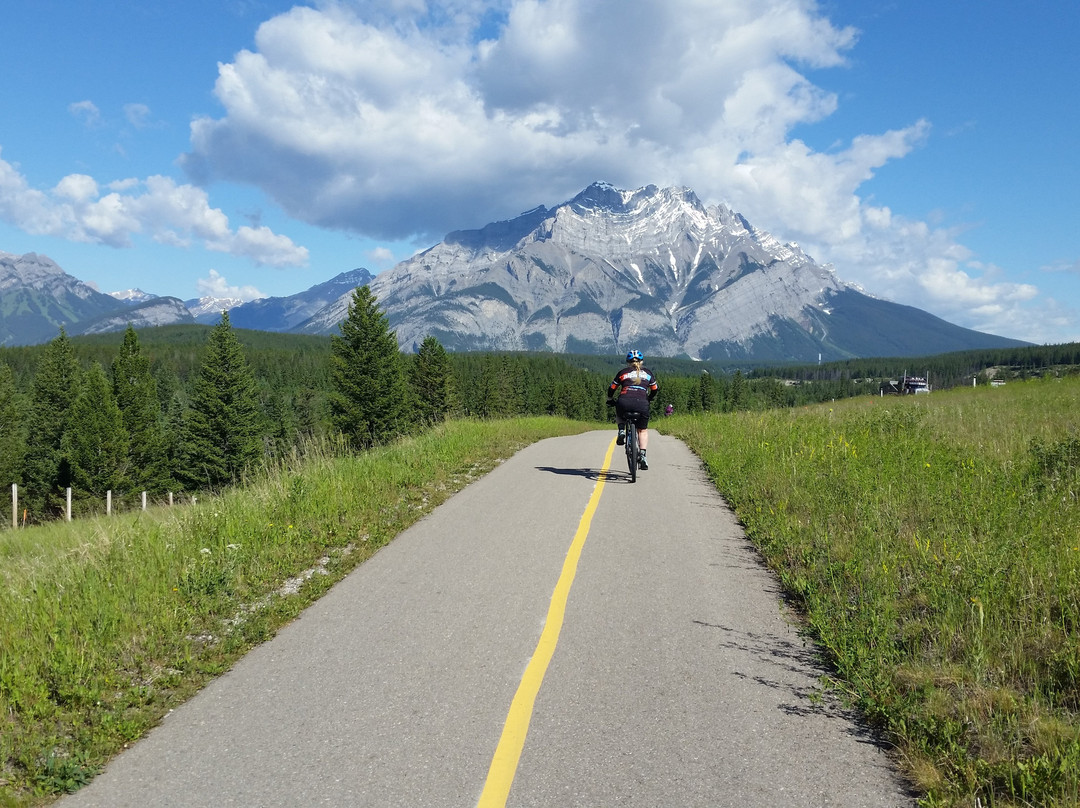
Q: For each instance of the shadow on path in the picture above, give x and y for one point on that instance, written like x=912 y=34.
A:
x=590 y=474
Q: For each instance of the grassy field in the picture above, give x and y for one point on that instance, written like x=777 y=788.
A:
x=109 y=623
x=933 y=543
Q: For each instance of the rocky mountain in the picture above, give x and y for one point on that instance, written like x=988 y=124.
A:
x=132 y=297
x=37 y=298
x=151 y=312
x=207 y=310
x=288 y=313
x=270 y=313
x=650 y=268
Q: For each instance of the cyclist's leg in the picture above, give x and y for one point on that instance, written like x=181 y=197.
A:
x=643 y=429
x=620 y=419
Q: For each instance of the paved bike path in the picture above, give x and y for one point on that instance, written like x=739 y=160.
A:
x=678 y=679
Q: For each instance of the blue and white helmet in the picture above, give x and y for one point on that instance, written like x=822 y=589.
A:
x=635 y=356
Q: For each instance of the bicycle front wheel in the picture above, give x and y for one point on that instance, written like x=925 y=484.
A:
x=632 y=450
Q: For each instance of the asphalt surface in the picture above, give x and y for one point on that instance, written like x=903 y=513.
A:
x=678 y=678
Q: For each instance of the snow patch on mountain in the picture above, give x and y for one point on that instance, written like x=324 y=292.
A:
x=132 y=296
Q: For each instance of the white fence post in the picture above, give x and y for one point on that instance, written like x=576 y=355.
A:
x=144 y=500
x=14 y=505
x=69 y=504
x=108 y=503
x=170 y=498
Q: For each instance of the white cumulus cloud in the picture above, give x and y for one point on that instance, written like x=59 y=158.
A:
x=217 y=286
x=382 y=257
x=76 y=209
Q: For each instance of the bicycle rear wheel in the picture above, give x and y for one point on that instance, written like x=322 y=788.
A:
x=632 y=450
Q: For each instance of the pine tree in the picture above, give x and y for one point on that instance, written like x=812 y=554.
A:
x=136 y=393
x=370 y=402
x=740 y=394
x=223 y=430
x=708 y=392
x=281 y=431
x=176 y=436
x=433 y=382
x=495 y=392
x=46 y=472
x=95 y=442
x=12 y=431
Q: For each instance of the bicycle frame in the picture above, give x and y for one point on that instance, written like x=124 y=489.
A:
x=632 y=448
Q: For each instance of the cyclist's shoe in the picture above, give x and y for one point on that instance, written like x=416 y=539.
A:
x=643 y=462
x=621 y=440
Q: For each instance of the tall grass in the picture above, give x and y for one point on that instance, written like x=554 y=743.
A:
x=933 y=543
x=108 y=623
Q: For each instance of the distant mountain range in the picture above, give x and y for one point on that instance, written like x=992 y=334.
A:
x=608 y=270
x=37 y=297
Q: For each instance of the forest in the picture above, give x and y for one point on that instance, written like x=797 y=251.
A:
x=189 y=409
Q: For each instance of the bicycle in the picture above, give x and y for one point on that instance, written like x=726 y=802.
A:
x=632 y=450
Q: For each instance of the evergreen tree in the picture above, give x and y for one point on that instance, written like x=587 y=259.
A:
x=369 y=403
x=223 y=430
x=433 y=381
x=175 y=436
x=308 y=414
x=281 y=431
x=494 y=392
x=95 y=441
x=136 y=393
x=740 y=394
x=708 y=392
x=46 y=472
x=12 y=432
x=168 y=386
x=693 y=402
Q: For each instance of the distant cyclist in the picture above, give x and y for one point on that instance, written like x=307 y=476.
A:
x=636 y=387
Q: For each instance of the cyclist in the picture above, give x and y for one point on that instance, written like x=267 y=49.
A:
x=636 y=387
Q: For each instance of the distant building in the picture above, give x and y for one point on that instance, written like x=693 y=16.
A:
x=905 y=386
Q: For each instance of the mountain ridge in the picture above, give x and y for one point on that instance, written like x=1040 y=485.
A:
x=651 y=268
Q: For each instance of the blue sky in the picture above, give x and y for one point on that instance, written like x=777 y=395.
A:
x=927 y=150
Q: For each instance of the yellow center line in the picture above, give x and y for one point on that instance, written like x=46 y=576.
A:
x=507 y=754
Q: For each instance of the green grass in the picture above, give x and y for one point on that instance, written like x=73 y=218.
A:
x=108 y=623
x=933 y=544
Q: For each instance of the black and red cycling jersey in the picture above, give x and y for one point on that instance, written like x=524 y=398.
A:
x=635 y=383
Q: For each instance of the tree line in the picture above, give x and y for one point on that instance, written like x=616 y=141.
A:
x=198 y=408
x=957 y=369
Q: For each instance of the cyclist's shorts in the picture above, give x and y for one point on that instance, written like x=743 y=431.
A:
x=632 y=404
